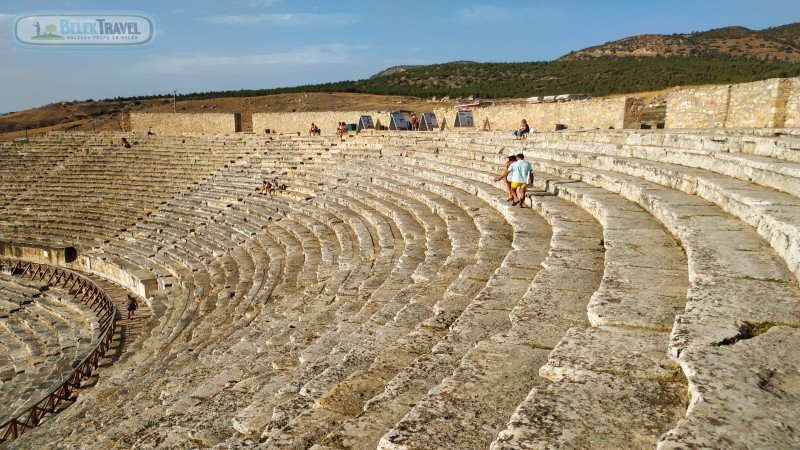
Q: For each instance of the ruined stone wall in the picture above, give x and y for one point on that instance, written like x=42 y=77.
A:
x=602 y=113
x=792 y=106
x=753 y=105
x=761 y=104
x=43 y=254
x=185 y=123
x=595 y=113
x=327 y=121
x=697 y=108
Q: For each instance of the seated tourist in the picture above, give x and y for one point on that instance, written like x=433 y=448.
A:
x=314 y=130
x=264 y=187
x=341 y=129
x=523 y=129
x=414 y=122
x=125 y=143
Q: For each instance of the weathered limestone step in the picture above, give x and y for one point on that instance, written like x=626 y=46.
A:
x=760 y=399
x=615 y=351
x=464 y=411
x=645 y=277
x=545 y=421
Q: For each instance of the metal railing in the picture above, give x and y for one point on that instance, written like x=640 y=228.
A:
x=91 y=295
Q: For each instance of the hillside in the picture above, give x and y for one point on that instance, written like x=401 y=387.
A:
x=598 y=76
x=778 y=43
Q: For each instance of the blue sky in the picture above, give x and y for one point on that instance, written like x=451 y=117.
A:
x=239 y=44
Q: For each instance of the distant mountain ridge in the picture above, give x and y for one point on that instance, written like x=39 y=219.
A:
x=780 y=43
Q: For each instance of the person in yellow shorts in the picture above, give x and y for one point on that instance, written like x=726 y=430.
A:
x=521 y=174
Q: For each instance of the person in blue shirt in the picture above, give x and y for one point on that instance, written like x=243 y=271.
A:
x=521 y=175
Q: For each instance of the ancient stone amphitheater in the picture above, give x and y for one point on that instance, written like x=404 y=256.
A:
x=390 y=297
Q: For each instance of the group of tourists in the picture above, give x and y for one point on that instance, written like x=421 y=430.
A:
x=270 y=187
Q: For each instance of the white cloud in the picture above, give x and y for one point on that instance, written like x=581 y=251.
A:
x=200 y=63
x=284 y=19
x=263 y=2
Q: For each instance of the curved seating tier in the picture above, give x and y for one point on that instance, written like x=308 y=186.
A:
x=99 y=187
x=390 y=297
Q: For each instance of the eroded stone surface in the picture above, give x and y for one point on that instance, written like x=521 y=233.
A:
x=743 y=394
x=602 y=411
